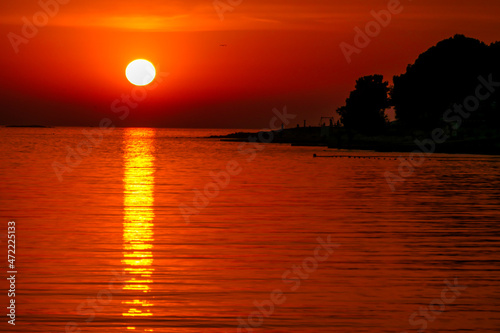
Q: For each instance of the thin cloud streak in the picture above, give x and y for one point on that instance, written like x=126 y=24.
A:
x=325 y=15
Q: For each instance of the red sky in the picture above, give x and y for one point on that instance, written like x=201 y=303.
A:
x=278 y=53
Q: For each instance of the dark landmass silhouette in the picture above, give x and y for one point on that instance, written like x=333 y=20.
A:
x=30 y=126
x=392 y=141
x=448 y=99
x=445 y=75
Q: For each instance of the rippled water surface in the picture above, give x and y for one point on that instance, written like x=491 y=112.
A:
x=147 y=231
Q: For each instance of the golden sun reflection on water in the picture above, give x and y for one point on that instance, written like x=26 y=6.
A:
x=138 y=234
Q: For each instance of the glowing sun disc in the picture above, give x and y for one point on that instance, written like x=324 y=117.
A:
x=140 y=72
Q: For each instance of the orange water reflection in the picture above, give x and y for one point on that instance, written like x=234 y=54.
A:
x=138 y=223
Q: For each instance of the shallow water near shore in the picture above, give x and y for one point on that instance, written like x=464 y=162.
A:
x=108 y=249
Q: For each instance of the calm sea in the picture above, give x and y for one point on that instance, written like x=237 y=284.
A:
x=162 y=230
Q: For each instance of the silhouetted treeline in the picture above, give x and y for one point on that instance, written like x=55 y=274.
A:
x=441 y=77
x=365 y=107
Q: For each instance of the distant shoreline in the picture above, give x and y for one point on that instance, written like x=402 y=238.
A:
x=339 y=138
x=28 y=126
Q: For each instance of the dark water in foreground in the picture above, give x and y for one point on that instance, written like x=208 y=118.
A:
x=107 y=249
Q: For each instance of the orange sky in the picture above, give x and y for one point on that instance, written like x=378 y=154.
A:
x=278 y=53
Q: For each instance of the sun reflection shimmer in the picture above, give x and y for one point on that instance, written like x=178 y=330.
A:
x=138 y=234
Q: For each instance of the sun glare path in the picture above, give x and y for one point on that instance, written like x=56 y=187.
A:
x=138 y=234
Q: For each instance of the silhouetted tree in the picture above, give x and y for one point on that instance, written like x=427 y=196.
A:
x=492 y=111
x=364 y=109
x=443 y=75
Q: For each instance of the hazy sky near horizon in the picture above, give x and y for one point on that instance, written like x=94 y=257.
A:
x=278 y=53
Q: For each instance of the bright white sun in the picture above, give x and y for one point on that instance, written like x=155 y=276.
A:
x=140 y=72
